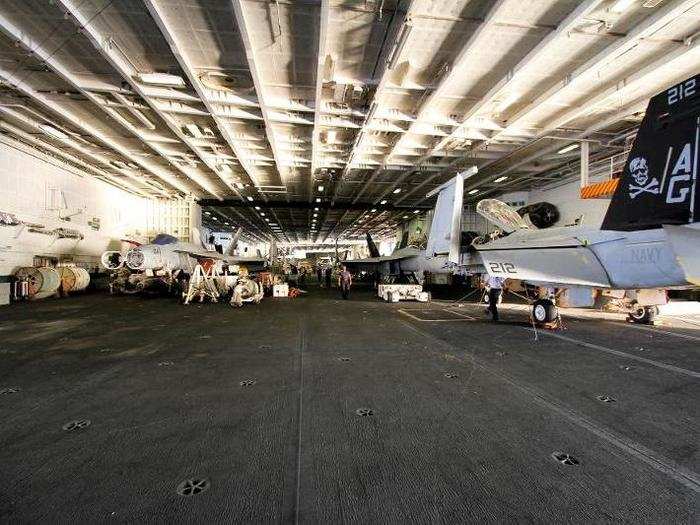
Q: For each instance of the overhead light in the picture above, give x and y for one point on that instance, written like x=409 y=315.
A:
x=472 y=192
x=621 y=5
x=383 y=202
x=501 y=179
x=262 y=213
x=567 y=149
x=316 y=209
x=405 y=217
x=53 y=132
x=320 y=187
x=214 y=219
x=318 y=199
x=250 y=198
x=416 y=211
x=373 y=210
x=257 y=207
x=207 y=213
x=268 y=220
x=315 y=214
x=397 y=190
x=161 y=79
x=227 y=223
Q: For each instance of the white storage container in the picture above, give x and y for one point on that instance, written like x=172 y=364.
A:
x=280 y=290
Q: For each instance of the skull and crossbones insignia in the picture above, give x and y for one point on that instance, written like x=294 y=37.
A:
x=639 y=170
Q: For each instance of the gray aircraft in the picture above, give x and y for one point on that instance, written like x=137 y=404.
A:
x=163 y=259
x=650 y=238
x=443 y=249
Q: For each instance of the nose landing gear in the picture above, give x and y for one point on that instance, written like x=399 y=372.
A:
x=544 y=311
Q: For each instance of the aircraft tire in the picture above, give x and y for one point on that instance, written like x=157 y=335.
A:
x=644 y=314
x=544 y=311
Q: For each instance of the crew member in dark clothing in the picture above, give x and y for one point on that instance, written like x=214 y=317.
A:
x=319 y=275
x=329 y=274
x=344 y=282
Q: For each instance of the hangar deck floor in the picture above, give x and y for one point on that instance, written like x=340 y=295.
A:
x=465 y=414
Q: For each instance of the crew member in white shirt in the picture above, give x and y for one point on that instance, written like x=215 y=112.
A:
x=495 y=286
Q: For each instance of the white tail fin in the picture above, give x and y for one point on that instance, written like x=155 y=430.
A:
x=196 y=238
x=446 y=228
x=234 y=242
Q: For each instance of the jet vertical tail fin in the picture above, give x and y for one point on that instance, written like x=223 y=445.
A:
x=373 y=250
x=234 y=242
x=446 y=228
x=658 y=184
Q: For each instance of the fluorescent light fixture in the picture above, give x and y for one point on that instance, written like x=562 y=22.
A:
x=316 y=209
x=397 y=190
x=161 y=79
x=53 y=132
x=501 y=179
x=268 y=220
x=315 y=214
x=416 y=211
x=373 y=210
x=207 y=213
x=227 y=223
x=257 y=207
x=214 y=219
x=320 y=187
x=250 y=198
x=405 y=217
x=383 y=202
x=472 y=192
x=621 y=5
x=318 y=199
x=262 y=213
x=567 y=149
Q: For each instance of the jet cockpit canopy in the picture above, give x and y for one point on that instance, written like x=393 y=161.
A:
x=163 y=238
x=502 y=215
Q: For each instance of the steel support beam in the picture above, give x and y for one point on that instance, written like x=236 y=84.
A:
x=247 y=40
x=48 y=58
x=188 y=69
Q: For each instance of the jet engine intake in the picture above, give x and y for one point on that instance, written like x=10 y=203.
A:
x=112 y=260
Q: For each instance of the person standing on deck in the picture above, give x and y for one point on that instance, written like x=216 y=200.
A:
x=319 y=275
x=495 y=286
x=344 y=282
x=329 y=274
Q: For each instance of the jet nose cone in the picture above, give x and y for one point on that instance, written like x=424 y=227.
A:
x=135 y=259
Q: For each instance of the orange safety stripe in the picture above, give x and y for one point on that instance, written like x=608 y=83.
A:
x=600 y=189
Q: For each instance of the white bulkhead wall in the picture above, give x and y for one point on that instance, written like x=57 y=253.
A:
x=42 y=191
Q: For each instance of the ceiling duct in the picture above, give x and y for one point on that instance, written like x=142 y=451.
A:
x=222 y=81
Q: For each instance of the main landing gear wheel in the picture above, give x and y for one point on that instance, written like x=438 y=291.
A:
x=644 y=314
x=544 y=311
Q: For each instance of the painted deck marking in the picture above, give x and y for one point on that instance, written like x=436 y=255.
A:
x=302 y=345
x=619 y=353
x=451 y=320
x=665 y=332
x=686 y=477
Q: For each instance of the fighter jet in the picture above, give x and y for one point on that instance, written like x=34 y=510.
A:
x=443 y=249
x=649 y=240
x=166 y=257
